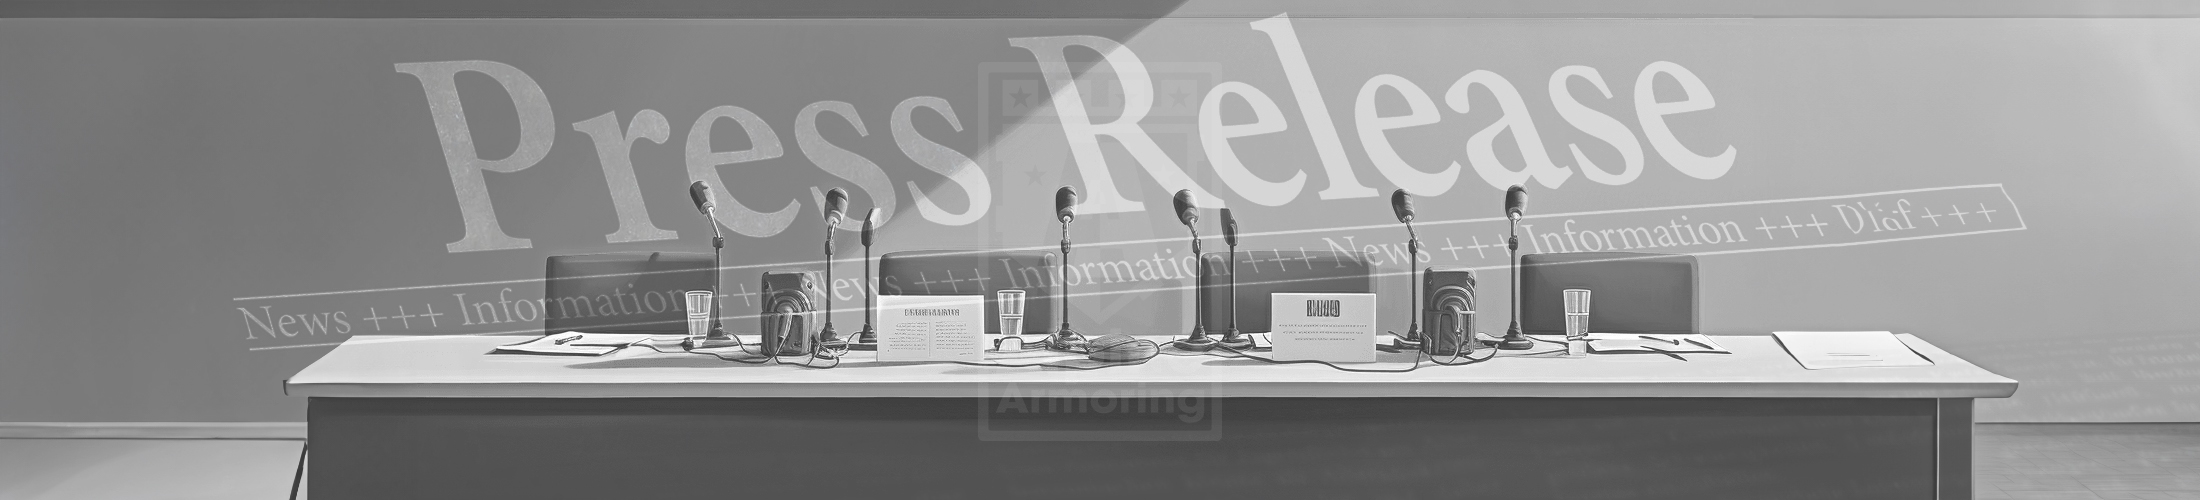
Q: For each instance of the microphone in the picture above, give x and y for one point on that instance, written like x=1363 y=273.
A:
x=1187 y=209
x=1402 y=204
x=1065 y=204
x=1516 y=201
x=1229 y=228
x=704 y=201
x=836 y=206
x=870 y=224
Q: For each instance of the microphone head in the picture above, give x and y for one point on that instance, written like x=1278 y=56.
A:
x=700 y=192
x=836 y=205
x=1187 y=208
x=1516 y=201
x=1065 y=204
x=1402 y=204
x=1229 y=228
x=870 y=224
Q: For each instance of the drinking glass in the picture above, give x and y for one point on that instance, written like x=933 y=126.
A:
x=698 y=315
x=1011 y=304
x=1577 y=314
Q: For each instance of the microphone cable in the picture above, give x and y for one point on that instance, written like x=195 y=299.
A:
x=1086 y=351
x=757 y=358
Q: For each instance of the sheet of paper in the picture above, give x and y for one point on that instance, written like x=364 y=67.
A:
x=1633 y=342
x=1822 y=350
x=610 y=339
x=931 y=328
x=1333 y=327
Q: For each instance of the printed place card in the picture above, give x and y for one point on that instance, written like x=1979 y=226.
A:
x=931 y=328
x=1333 y=327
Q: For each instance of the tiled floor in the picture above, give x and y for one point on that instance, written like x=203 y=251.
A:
x=2087 y=461
x=2031 y=461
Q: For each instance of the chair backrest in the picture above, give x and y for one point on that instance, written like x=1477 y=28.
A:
x=1629 y=292
x=979 y=272
x=625 y=292
x=1264 y=272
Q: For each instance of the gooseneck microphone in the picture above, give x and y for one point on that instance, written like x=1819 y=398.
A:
x=1187 y=212
x=704 y=201
x=1401 y=204
x=1516 y=201
x=1232 y=338
x=867 y=338
x=836 y=208
x=1516 y=205
x=1065 y=210
x=708 y=205
x=1065 y=204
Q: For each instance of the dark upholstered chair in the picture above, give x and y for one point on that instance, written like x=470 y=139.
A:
x=1264 y=272
x=626 y=292
x=979 y=272
x=1629 y=292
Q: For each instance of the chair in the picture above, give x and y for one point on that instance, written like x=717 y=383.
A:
x=979 y=272
x=625 y=292
x=1265 y=272
x=1629 y=292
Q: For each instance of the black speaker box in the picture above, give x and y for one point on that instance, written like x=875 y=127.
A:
x=1442 y=290
x=797 y=293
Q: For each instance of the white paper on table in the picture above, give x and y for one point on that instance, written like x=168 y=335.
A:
x=1334 y=327
x=931 y=328
x=1822 y=350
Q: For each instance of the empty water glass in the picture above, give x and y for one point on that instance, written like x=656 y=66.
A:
x=698 y=315
x=1577 y=313
x=1011 y=304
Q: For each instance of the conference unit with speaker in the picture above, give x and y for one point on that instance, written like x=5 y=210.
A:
x=789 y=322
x=1450 y=314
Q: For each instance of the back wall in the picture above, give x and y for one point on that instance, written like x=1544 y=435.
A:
x=193 y=210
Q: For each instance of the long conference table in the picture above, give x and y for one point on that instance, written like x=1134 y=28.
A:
x=438 y=417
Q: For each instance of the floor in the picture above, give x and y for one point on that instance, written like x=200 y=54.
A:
x=2087 y=461
x=2017 y=461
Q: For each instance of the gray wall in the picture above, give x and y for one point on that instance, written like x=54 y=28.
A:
x=164 y=182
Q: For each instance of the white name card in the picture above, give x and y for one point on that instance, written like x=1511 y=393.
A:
x=931 y=328
x=1333 y=327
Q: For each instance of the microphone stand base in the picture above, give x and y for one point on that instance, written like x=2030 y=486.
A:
x=1066 y=340
x=1237 y=344
x=1200 y=344
x=1516 y=344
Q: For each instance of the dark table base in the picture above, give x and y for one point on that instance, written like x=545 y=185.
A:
x=906 y=448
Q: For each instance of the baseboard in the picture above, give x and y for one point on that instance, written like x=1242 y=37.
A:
x=154 y=430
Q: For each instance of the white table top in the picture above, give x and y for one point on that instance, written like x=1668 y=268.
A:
x=459 y=367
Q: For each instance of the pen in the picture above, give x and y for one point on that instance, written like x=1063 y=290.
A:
x=1699 y=344
x=1647 y=337
x=568 y=339
x=1665 y=352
